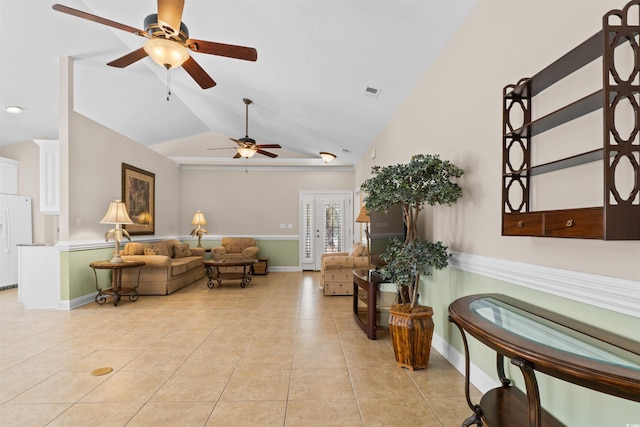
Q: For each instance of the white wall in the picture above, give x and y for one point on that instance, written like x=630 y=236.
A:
x=456 y=111
x=96 y=154
x=252 y=203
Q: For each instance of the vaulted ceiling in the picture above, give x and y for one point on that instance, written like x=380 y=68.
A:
x=316 y=59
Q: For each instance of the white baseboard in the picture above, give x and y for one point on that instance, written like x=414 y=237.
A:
x=478 y=378
x=618 y=295
x=286 y=269
x=77 y=302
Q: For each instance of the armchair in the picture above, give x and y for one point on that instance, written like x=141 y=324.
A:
x=235 y=248
x=337 y=269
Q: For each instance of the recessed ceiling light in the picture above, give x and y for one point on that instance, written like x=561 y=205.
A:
x=13 y=109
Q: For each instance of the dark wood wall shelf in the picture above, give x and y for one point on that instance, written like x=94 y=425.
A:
x=586 y=52
x=619 y=216
x=572 y=111
x=567 y=162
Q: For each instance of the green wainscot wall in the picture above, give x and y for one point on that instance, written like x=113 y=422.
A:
x=281 y=253
x=77 y=278
x=571 y=404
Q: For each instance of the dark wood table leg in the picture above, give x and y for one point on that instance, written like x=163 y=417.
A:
x=117 y=280
x=209 y=269
x=533 y=394
x=476 y=418
x=372 y=310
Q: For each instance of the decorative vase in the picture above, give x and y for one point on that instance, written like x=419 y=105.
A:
x=411 y=333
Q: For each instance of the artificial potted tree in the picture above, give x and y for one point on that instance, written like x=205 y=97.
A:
x=425 y=180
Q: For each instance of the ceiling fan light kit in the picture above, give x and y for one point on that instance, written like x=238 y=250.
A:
x=168 y=41
x=247 y=147
x=166 y=53
x=247 y=152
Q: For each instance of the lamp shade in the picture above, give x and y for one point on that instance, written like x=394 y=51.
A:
x=363 y=216
x=198 y=219
x=165 y=52
x=116 y=214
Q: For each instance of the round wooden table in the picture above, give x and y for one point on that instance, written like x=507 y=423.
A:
x=116 y=289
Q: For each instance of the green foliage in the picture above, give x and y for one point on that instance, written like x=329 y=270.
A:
x=406 y=262
x=425 y=179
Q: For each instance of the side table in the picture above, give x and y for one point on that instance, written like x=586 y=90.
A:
x=116 y=290
x=536 y=339
x=261 y=268
x=365 y=301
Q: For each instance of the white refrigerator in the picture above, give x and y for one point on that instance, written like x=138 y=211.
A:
x=15 y=229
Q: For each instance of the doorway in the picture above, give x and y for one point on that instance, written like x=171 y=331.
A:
x=325 y=221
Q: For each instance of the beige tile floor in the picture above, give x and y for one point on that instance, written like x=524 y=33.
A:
x=277 y=353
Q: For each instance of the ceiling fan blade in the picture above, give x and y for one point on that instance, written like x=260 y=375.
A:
x=221 y=49
x=266 y=153
x=268 y=146
x=237 y=156
x=198 y=74
x=128 y=59
x=221 y=148
x=98 y=19
x=236 y=141
x=170 y=15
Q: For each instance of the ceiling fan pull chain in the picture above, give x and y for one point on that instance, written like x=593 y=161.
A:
x=168 y=82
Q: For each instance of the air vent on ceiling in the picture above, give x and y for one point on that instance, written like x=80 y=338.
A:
x=371 y=92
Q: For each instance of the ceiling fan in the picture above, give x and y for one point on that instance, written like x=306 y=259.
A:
x=168 y=41
x=247 y=147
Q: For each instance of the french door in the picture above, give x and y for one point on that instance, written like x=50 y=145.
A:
x=325 y=220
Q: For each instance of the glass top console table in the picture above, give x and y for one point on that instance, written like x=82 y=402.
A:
x=535 y=339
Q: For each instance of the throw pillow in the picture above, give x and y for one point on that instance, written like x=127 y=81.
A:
x=181 y=251
x=162 y=249
x=186 y=250
x=151 y=251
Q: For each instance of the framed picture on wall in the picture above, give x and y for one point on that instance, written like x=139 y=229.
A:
x=138 y=194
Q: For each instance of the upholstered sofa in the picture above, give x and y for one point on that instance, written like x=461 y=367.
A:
x=235 y=248
x=337 y=269
x=169 y=266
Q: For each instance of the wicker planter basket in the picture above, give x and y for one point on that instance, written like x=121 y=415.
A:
x=411 y=334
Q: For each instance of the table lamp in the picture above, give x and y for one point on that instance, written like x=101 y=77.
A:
x=198 y=219
x=363 y=217
x=117 y=214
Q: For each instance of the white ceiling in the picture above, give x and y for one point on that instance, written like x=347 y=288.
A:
x=315 y=60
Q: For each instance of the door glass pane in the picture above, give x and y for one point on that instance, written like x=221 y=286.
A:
x=332 y=225
x=308 y=232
